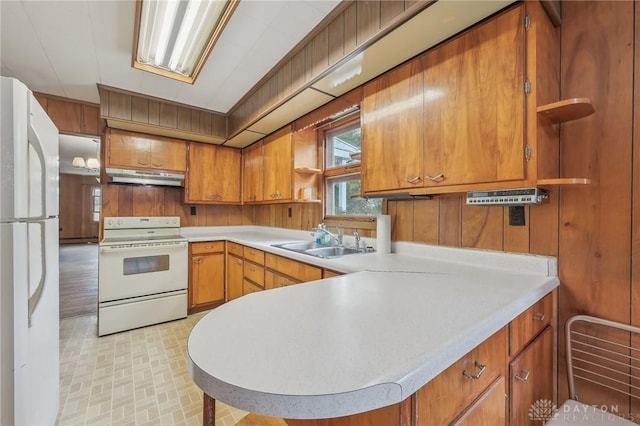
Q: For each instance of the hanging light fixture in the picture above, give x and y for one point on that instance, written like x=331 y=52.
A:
x=91 y=163
x=173 y=38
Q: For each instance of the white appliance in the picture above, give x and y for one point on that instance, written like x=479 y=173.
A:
x=142 y=273
x=29 y=304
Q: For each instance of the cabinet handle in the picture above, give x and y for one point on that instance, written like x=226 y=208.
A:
x=480 y=368
x=415 y=179
x=208 y=247
x=436 y=178
x=539 y=316
x=143 y=163
x=197 y=260
x=239 y=262
x=525 y=375
x=157 y=164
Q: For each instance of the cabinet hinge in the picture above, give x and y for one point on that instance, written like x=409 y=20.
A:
x=527 y=152
x=527 y=87
x=527 y=22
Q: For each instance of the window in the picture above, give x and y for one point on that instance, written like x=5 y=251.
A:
x=96 y=194
x=342 y=173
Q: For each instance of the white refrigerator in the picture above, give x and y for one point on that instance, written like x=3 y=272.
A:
x=29 y=305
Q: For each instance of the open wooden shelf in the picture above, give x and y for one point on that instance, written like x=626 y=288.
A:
x=307 y=170
x=566 y=110
x=564 y=181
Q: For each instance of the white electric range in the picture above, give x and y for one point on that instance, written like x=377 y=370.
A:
x=143 y=273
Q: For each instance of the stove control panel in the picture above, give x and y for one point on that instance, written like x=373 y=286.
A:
x=508 y=197
x=141 y=222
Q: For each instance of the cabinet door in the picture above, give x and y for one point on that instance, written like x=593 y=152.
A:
x=489 y=410
x=234 y=277
x=278 y=166
x=275 y=280
x=252 y=189
x=213 y=175
x=446 y=396
x=474 y=105
x=531 y=375
x=168 y=154
x=207 y=279
x=392 y=130
x=128 y=149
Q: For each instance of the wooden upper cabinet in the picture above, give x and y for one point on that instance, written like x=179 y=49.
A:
x=252 y=173
x=392 y=126
x=137 y=150
x=213 y=175
x=474 y=105
x=278 y=165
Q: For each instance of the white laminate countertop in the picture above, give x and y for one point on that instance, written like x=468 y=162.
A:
x=360 y=341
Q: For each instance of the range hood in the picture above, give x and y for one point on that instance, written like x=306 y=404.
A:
x=145 y=177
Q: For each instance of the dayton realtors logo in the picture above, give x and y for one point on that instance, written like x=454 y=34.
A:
x=542 y=410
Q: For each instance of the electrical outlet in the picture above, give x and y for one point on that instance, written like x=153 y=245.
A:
x=516 y=215
x=193 y=211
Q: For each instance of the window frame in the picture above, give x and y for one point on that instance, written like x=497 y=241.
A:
x=340 y=171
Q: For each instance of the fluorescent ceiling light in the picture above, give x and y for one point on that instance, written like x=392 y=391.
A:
x=173 y=38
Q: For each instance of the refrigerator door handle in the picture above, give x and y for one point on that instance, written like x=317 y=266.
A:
x=35 y=298
x=35 y=141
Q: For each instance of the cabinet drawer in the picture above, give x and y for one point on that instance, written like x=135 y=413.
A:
x=254 y=255
x=274 y=280
x=529 y=323
x=249 y=287
x=489 y=410
x=233 y=248
x=254 y=273
x=297 y=270
x=447 y=395
x=328 y=273
x=207 y=247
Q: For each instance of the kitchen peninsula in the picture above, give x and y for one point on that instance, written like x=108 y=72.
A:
x=374 y=339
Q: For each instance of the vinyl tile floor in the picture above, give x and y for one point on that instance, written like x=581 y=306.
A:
x=136 y=377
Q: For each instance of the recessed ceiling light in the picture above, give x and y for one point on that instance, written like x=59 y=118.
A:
x=173 y=38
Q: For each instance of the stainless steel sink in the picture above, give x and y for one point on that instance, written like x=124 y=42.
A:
x=331 y=251
x=298 y=246
x=317 y=250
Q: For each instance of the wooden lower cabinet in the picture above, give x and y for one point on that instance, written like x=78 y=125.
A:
x=206 y=275
x=296 y=271
x=531 y=379
x=274 y=280
x=328 y=273
x=488 y=410
x=441 y=400
x=234 y=276
x=249 y=287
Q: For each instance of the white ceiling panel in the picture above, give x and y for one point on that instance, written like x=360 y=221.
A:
x=66 y=47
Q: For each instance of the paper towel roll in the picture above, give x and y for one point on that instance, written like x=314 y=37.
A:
x=383 y=233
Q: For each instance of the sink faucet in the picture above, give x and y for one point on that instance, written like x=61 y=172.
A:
x=356 y=235
x=334 y=237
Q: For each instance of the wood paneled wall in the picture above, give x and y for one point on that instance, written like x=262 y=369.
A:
x=72 y=116
x=135 y=200
x=76 y=208
x=134 y=111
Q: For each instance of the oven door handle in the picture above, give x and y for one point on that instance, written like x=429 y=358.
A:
x=107 y=249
